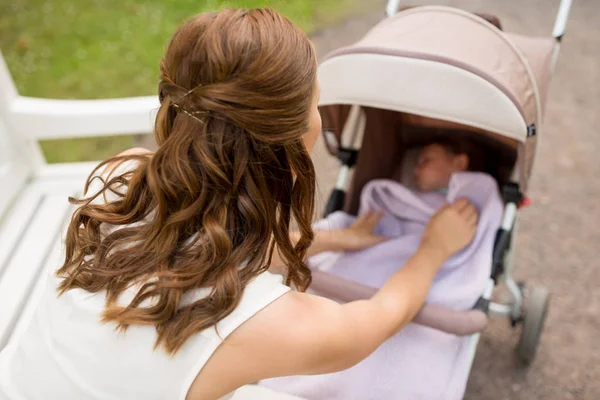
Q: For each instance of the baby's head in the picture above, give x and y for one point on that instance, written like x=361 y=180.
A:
x=437 y=161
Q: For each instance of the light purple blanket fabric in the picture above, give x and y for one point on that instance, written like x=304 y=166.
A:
x=461 y=279
x=418 y=362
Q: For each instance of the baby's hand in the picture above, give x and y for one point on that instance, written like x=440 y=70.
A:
x=360 y=234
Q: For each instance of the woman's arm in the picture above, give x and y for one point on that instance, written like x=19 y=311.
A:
x=304 y=334
x=357 y=236
x=356 y=329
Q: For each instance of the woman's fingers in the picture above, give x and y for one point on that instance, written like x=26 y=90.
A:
x=361 y=219
x=368 y=220
x=461 y=205
x=466 y=211
x=374 y=219
x=471 y=217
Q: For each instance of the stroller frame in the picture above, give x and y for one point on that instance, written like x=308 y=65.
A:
x=531 y=316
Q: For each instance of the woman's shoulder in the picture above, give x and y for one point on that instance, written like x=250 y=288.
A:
x=281 y=338
x=259 y=293
x=125 y=162
x=117 y=164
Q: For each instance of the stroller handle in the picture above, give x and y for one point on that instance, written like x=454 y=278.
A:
x=461 y=323
x=559 y=25
x=392 y=7
x=561 y=19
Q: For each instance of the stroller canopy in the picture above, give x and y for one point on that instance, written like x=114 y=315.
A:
x=447 y=64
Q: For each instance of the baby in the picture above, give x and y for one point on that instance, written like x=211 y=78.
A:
x=437 y=162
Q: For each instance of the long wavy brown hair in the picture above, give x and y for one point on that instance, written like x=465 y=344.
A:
x=207 y=209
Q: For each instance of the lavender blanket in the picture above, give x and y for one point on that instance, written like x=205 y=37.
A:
x=419 y=362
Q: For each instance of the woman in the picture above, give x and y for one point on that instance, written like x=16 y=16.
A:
x=165 y=291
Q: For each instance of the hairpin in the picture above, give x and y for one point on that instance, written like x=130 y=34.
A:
x=191 y=114
x=188 y=92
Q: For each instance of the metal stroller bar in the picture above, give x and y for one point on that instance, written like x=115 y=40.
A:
x=505 y=234
x=345 y=167
x=503 y=243
x=392 y=7
x=354 y=127
x=562 y=17
x=560 y=25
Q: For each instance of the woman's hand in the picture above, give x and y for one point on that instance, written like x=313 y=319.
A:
x=360 y=235
x=357 y=236
x=451 y=228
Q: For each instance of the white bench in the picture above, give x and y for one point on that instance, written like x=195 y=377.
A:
x=33 y=194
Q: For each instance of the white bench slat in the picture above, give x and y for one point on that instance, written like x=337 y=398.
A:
x=77 y=171
x=13 y=177
x=59 y=187
x=16 y=223
x=35 y=118
x=23 y=268
x=51 y=265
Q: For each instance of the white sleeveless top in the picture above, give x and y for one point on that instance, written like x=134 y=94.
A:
x=66 y=353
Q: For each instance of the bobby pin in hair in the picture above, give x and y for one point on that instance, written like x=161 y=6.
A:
x=188 y=92
x=191 y=114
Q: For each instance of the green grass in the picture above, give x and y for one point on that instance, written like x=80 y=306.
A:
x=88 y=49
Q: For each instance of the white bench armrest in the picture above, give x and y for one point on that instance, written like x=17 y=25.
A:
x=34 y=118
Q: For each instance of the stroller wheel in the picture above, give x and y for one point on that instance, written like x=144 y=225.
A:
x=533 y=323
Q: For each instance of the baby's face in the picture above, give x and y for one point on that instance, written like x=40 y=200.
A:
x=435 y=166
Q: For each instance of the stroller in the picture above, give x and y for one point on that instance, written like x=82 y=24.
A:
x=431 y=70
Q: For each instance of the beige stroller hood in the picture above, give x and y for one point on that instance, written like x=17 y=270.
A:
x=445 y=64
